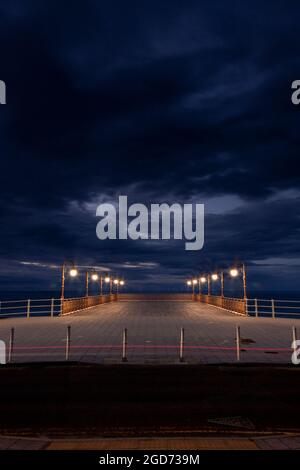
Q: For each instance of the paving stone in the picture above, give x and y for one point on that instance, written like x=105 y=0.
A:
x=153 y=334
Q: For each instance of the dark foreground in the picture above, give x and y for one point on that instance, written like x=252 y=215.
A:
x=127 y=400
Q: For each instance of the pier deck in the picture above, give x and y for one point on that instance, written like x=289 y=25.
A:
x=153 y=335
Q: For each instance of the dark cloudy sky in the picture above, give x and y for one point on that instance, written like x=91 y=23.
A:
x=165 y=101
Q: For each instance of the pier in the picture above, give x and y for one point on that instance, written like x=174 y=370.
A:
x=159 y=330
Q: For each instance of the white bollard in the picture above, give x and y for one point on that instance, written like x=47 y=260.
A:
x=52 y=308
x=68 y=342
x=256 y=307
x=294 y=329
x=273 y=308
x=238 y=342
x=2 y=352
x=28 y=308
x=11 y=344
x=124 y=346
x=181 y=346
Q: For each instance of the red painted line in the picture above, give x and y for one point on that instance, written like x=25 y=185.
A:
x=143 y=346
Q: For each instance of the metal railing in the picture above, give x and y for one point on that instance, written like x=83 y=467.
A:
x=30 y=308
x=50 y=307
x=81 y=303
x=254 y=307
x=273 y=308
x=228 y=303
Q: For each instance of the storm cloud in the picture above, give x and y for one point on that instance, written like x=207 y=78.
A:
x=162 y=101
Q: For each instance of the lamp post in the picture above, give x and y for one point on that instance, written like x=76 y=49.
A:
x=202 y=281
x=214 y=277
x=208 y=285
x=244 y=281
x=107 y=280
x=73 y=273
x=234 y=272
x=116 y=283
x=101 y=285
x=222 y=284
x=94 y=277
x=87 y=284
x=189 y=283
x=63 y=276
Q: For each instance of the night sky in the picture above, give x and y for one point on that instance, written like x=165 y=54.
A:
x=163 y=101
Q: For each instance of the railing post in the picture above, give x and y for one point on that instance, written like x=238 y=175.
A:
x=52 y=307
x=124 y=346
x=256 y=307
x=294 y=330
x=181 y=346
x=28 y=308
x=238 y=342
x=11 y=344
x=273 y=308
x=68 y=342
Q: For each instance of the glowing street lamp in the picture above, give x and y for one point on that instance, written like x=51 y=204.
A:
x=122 y=283
x=215 y=277
x=73 y=273
x=94 y=277
x=107 y=280
x=192 y=283
x=116 y=283
x=201 y=280
x=234 y=272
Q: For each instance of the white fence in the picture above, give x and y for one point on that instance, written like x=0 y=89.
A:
x=30 y=308
x=273 y=308
x=50 y=307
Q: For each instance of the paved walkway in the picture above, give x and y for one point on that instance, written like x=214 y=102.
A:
x=153 y=334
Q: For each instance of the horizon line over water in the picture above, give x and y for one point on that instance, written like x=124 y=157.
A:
x=53 y=293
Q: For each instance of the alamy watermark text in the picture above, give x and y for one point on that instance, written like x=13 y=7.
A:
x=160 y=222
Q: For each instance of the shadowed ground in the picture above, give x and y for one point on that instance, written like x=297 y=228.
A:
x=80 y=400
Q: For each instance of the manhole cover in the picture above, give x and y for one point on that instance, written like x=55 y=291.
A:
x=235 y=421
